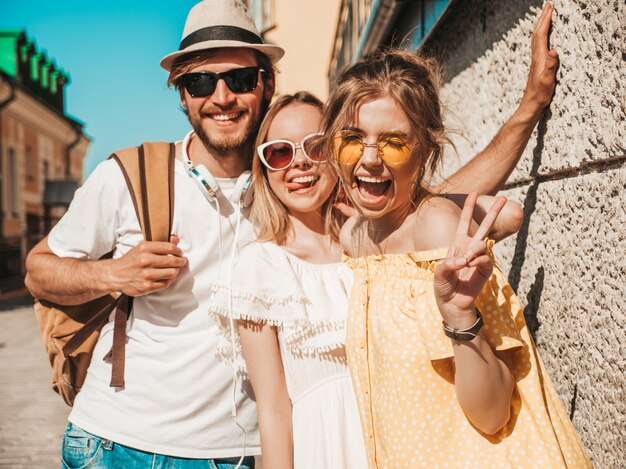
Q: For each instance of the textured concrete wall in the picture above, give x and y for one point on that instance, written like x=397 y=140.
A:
x=568 y=262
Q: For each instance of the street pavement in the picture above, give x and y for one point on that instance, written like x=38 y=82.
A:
x=32 y=416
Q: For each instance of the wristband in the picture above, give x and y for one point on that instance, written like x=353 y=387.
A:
x=464 y=334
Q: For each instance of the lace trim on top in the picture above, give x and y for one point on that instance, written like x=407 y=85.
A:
x=303 y=336
x=317 y=337
x=271 y=310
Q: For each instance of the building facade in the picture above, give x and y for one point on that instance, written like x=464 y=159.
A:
x=305 y=30
x=41 y=151
x=364 y=25
x=568 y=262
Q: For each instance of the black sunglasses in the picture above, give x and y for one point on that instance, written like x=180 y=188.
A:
x=239 y=80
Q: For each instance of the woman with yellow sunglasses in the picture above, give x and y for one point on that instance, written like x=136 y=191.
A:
x=444 y=368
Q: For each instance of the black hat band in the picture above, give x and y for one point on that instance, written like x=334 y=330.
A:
x=220 y=33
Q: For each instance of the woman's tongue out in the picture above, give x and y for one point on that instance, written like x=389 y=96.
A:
x=300 y=183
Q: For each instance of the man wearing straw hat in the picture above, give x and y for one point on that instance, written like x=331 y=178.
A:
x=179 y=407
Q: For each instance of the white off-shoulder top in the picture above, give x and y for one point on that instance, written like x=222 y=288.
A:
x=308 y=305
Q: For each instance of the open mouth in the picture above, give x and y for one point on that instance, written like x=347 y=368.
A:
x=372 y=188
x=224 y=118
x=300 y=183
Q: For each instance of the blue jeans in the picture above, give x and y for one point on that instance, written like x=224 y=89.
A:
x=84 y=450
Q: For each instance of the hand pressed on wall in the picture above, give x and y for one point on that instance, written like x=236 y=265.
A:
x=543 y=65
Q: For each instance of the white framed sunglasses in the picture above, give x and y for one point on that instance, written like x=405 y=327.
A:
x=279 y=155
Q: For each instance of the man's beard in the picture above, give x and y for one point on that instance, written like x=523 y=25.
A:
x=225 y=145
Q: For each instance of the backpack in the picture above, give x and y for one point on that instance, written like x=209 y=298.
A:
x=70 y=333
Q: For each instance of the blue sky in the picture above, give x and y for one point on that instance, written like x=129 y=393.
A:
x=111 y=49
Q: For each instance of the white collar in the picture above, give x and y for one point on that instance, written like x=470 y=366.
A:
x=185 y=149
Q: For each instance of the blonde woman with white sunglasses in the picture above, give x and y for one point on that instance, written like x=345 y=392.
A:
x=290 y=297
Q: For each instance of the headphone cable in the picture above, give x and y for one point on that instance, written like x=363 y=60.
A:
x=232 y=333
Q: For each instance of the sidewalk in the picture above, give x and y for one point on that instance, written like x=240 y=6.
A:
x=32 y=416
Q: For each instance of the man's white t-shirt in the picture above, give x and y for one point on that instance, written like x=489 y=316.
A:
x=177 y=399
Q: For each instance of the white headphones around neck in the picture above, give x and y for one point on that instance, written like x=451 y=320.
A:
x=242 y=194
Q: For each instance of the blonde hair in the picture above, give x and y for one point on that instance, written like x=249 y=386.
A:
x=268 y=213
x=413 y=81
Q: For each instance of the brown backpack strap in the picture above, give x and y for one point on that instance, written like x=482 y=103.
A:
x=149 y=174
x=103 y=310
x=157 y=190
x=118 y=349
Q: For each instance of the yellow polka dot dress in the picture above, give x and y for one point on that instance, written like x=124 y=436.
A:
x=402 y=367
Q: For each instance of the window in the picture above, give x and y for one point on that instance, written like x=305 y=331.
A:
x=30 y=163
x=425 y=21
x=13 y=183
x=348 y=41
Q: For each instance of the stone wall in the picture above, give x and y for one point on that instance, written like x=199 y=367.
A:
x=568 y=262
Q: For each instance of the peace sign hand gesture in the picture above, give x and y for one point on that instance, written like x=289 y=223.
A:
x=460 y=277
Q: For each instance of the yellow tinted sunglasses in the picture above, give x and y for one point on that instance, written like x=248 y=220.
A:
x=393 y=147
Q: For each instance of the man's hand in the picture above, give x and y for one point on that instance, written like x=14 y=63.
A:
x=148 y=267
x=509 y=220
x=543 y=66
x=488 y=171
x=343 y=204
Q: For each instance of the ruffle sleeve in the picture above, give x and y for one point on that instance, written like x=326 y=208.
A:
x=244 y=304
x=307 y=302
x=263 y=289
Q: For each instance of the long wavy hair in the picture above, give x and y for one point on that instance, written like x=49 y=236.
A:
x=413 y=81
x=268 y=213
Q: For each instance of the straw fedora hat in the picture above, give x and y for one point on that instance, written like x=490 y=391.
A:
x=220 y=23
